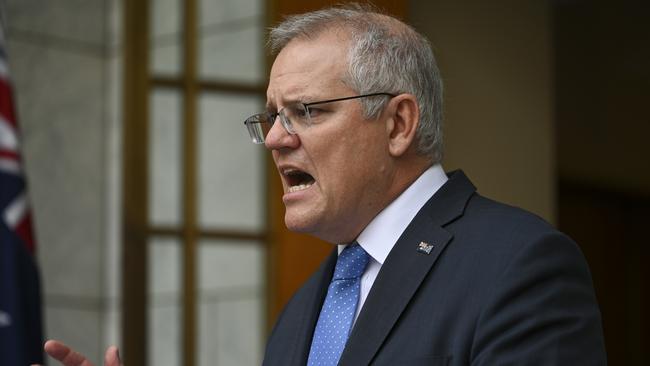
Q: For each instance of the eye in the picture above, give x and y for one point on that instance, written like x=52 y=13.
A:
x=295 y=112
x=315 y=112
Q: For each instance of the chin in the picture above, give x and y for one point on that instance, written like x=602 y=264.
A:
x=315 y=230
x=299 y=223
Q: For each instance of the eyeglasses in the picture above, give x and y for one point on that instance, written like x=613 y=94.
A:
x=294 y=117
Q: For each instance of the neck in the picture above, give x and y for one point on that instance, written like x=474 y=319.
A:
x=407 y=171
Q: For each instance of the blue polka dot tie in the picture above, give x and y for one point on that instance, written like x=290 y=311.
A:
x=335 y=320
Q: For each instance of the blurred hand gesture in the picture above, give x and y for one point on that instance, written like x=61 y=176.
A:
x=69 y=357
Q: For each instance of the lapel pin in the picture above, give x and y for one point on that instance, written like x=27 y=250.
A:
x=425 y=248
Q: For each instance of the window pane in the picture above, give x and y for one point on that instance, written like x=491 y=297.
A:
x=231 y=168
x=234 y=53
x=231 y=293
x=218 y=11
x=231 y=40
x=165 y=314
x=164 y=158
x=166 y=37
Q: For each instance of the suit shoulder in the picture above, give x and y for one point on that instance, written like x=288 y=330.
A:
x=486 y=211
x=500 y=231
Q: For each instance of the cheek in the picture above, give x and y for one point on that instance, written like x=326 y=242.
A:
x=352 y=166
x=274 y=155
x=347 y=156
x=369 y=151
x=329 y=153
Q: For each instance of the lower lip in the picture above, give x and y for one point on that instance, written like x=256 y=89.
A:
x=297 y=195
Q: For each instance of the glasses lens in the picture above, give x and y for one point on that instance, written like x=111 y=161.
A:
x=295 y=117
x=258 y=126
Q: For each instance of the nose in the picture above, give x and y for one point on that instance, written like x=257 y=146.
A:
x=278 y=137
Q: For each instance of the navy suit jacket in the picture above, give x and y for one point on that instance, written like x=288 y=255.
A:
x=500 y=287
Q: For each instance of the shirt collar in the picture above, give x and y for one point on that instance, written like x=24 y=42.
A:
x=381 y=234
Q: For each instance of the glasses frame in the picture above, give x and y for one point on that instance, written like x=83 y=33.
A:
x=270 y=117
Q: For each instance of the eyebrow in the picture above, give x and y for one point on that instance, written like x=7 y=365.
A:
x=300 y=98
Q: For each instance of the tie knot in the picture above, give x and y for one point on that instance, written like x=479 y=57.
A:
x=351 y=262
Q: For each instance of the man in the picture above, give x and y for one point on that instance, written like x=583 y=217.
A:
x=427 y=272
x=451 y=278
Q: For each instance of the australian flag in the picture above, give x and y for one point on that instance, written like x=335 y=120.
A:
x=20 y=303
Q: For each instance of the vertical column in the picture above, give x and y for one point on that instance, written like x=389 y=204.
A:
x=189 y=181
x=135 y=179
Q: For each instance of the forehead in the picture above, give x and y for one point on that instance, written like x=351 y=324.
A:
x=307 y=68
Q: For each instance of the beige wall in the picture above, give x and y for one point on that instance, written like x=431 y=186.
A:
x=496 y=62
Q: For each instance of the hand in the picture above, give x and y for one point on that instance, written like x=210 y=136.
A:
x=69 y=357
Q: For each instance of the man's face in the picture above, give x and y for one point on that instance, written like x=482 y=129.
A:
x=335 y=173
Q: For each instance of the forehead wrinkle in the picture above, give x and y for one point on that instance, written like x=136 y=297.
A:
x=300 y=94
x=294 y=94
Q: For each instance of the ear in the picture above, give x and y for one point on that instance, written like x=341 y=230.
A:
x=402 y=123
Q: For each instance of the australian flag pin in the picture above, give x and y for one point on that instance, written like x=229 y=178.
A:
x=425 y=248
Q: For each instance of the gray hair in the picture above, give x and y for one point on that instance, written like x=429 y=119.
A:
x=386 y=55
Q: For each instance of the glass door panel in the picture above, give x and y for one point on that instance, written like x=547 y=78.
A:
x=231 y=169
x=165 y=37
x=164 y=302
x=165 y=131
x=231 y=302
x=205 y=221
x=231 y=40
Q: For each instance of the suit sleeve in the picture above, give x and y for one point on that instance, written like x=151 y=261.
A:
x=542 y=309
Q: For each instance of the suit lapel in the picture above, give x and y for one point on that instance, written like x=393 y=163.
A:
x=400 y=276
x=311 y=310
x=405 y=268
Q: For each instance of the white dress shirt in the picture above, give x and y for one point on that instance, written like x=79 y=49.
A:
x=381 y=234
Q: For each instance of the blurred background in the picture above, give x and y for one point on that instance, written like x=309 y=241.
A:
x=159 y=226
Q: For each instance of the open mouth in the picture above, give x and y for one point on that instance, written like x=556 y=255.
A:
x=297 y=180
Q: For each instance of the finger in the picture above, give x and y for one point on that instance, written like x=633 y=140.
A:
x=112 y=357
x=65 y=355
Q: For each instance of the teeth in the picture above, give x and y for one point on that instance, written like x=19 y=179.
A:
x=299 y=187
x=287 y=171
